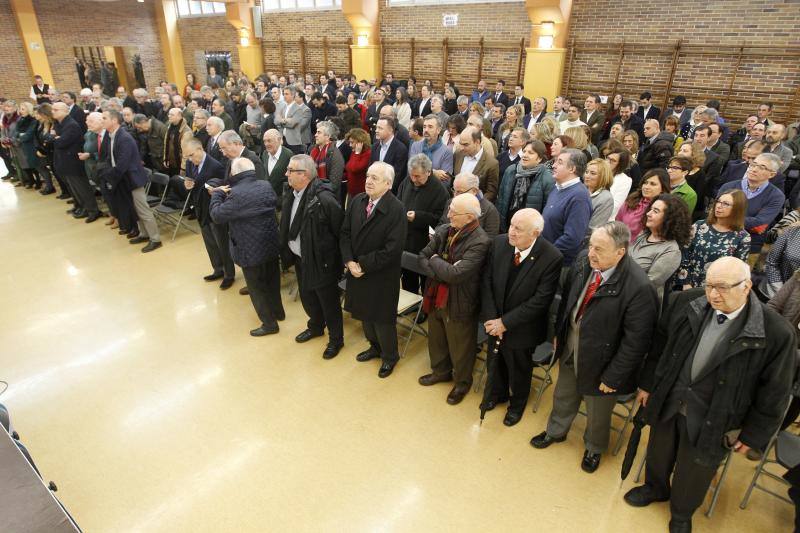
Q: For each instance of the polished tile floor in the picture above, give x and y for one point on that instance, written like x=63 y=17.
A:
x=138 y=390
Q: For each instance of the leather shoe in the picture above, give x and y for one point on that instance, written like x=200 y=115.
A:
x=643 y=496
x=680 y=526
x=543 y=440
x=386 y=370
x=332 y=350
x=367 y=355
x=214 y=277
x=226 y=284
x=133 y=234
x=590 y=462
x=80 y=213
x=512 y=417
x=71 y=200
x=152 y=245
x=139 y=239
x=457 y=394
x=493 y=402
x=432 y=379
x=91 y=218
x=243 y=291
x=264 y=330
x=306 y=336
x=63 y=196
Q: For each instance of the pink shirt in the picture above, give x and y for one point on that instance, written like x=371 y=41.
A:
x=633 y=217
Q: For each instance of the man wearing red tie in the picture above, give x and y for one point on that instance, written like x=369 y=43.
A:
x=604 y=329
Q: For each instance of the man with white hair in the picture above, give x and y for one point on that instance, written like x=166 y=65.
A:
x=85 y=100
x=466 y=182
x=232 y=147
x=327 y=157
x=275 y=159
x=454 y=260
x=717 y=379
x=214 y=127
x=66 y=163
x=519 y=282
x=371 y=242
x=247 y=205
x=92 y=140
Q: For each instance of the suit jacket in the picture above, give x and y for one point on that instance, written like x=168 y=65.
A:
x=277 y=178
x=66 y=145
x=78 y=116
x=212 y=148
x=297 y=129
x=712 y=169
x=501 y=99
x=260 y=172
x=526 y=120
x=487 y=170
x=524 y=102
x=211 y=169
x=128 y=166
x=653 y=112
x=397 y=156
x=723 y=150
x=686 y=116
x=596 y=123
x=426 y=110
x=524 y=306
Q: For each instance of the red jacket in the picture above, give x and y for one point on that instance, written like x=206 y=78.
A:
x=356 y=171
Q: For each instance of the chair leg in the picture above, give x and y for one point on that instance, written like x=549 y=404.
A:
x=717 y=489
x=546 y=382
x=177 y=226
x=411 y=331
x=756 y=474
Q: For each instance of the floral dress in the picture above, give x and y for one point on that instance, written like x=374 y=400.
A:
x=708 y=245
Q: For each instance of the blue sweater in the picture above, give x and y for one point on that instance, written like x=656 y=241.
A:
x=762 y=211
x=566 y=219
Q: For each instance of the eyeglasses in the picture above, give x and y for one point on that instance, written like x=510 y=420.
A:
x=721 y=288
x=759 y=166
x=674 y=168
x=295 y=170
x=723 y=204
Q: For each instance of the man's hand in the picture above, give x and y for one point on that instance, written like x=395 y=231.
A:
x=188 y=183
x=224 y=188
x=83 y=156
x=410 y=216
x=495 y=327
x=642 y=396
x=606 y=389
x=355 y=269
x=441 y=175
x=741 y=447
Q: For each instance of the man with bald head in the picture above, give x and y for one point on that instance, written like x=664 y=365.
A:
x=519 y=282
x=475 y=159
x=454 y=260
x=657 y=149
x=466 y=182
x=66 y=163
x=717 y=379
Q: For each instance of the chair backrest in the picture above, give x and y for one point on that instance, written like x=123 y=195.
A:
x=159 y=178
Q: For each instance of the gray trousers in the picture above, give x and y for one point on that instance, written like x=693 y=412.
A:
x=567 y=401
x=451 y=346
x=147 y=221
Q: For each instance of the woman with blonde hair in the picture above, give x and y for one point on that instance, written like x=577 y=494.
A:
x=475 y=108
x=514 y=116
x=24 y=145
x=543 y=131
x=630 y=139
x=598 y=178
x=402 y=107
x=581 y=140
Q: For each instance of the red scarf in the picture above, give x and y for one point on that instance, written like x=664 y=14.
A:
x=437 y=292
x=319 y=158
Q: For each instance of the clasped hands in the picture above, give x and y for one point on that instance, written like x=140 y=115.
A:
x=495 y=327
x=354 y=269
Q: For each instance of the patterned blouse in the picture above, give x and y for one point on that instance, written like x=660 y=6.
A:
x=708 y=245
x=783 y=260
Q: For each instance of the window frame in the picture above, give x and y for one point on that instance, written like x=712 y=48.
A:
x=188 y=14
x=335 y=6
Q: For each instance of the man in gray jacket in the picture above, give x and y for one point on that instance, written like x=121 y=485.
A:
x=296 y=121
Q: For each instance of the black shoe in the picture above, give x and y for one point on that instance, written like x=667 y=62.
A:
x=543 y=440
x=281 y=317
x=306 y=336
x=432 y=379
x=494 y=402
x=62 y=196
x=512 y=417
x=643 y=496
x=46 y=191
x=91 y=218
x=680 y=526
x=386 y=370
x=71 y=200
x=264 y=330
x=139 y=239
x=367 y=355
x=152 y=245
x=590 y=462
x=133 y=234
x=244 y=291
x=80 y=213
x=226 y=284
x=191 y=216
x=73 y=210
x=332 y=350
x=214 y=277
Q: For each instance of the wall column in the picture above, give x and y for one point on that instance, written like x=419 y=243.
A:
x=365 y=51
x=251 y=57
x=28 y=27
x=171 y=49
x=544 y=67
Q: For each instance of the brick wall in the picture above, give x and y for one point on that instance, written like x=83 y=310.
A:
x=84 y=23
x=495 y=22
x=15 y=81
x=201 y=34
x=711 y=33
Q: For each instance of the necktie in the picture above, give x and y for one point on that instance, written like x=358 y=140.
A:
x=370 y=207
x=210 y=144
x=590 y=290
x=721 y=318
x=517 y=258
x=99 y=143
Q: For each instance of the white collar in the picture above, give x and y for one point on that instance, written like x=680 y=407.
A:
x=568 y=183
x=732 y=314
x=523 y=254
x=477 y=156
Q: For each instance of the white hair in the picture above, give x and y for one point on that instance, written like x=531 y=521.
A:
x=241 y=164
x=471 y=181
x=216 y=121
x=384 y=170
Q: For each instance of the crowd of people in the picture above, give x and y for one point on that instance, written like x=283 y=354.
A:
x=669 y=241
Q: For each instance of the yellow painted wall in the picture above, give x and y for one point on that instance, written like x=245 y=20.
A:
x=28 y=27
x=543 y=72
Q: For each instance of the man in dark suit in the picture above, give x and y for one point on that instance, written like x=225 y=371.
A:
x=371 y=242
x=630 y=120
x=400 y=132
x=389 y=149
x=422 y=106
x=537 y=114
x=127 y=170
x=275 y=159
x=232 y=147
x=715 y=144
x=712 y=168
x=66 y=163
x=200 y=169
x=75 y=111
x=646 y=109
x=214 y=128
x=593 y=117
x=604 y=329
x=520 y=99
x=374 y=109
x=519 y=282
x=499 y=96
x=717 y=380
x=309 y=237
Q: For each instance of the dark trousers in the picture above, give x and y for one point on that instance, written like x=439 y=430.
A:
x=451 y=346
x=669 y=448
x=214 y=250
x=411 y=281
x=264 y=285
x=177 y=190
x=514 y=370
x=122 y=207
x=45 y=174
x=297 y=149
x=383 y=338
x=223 y=245
x=83 y=193
x=62 y=182
x=321 y=305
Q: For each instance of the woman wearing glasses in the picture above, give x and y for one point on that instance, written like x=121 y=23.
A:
x=721 y=234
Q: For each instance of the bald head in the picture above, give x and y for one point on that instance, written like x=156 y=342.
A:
x=60 y=110
x=526 y=225
x=728 y=284
x=470 y=141
x=175 y=116
x=651 y=128
x=94 y=122
x=464 y=209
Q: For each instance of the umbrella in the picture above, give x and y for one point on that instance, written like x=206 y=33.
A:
x=491 y=370
x=633 y=443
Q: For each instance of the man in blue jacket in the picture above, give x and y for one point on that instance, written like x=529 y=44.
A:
x=247 y=205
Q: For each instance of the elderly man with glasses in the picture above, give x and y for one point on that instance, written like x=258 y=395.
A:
x=466 y=182
x=711 y=383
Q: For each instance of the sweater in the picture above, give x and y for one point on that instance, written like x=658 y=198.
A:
x=685 y=192
x=356 y=171
x=762 y=210
x=566 y=219
x=659 y=260
x=633 y=217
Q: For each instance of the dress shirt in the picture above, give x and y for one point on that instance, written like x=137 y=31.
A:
x=112 y=135
x=422 y=105
x=567 y=184
x=470 y=162
x=750 y=194
x=385 y=148
x=273 y=159
x=732 y=314
x=199 y=168
x=294 y=245
x=523 y=254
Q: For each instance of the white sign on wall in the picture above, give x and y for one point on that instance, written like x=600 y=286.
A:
x=450 y=20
